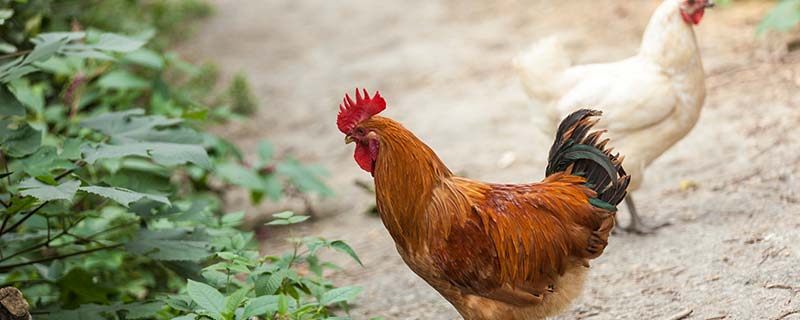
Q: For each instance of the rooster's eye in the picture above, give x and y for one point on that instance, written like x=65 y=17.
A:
x=360 y=131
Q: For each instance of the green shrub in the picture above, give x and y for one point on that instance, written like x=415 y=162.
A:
x=110 y=186
x=240 y=96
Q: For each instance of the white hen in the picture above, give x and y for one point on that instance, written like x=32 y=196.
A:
x=649 y=101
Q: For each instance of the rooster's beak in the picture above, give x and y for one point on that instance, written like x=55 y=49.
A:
x=348 y=140
x=710 y=4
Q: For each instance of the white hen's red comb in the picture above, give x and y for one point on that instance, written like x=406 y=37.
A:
x=351 y=113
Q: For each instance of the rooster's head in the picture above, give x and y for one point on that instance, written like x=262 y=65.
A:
x=352 y=115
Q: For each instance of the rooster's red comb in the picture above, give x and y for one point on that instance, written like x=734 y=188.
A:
x=351 y=113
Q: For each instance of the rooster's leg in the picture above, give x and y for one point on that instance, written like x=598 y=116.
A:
x=636 y=225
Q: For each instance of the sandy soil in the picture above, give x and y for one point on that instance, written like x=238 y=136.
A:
x=733 y=250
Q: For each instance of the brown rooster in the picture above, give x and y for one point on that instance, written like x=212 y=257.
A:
x=494 y=251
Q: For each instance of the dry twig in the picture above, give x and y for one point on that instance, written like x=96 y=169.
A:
x=786 y=314
x=681 y=315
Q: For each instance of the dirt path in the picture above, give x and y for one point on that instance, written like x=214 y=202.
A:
x=444 y=67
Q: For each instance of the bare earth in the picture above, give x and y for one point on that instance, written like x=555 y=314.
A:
x=733 y=251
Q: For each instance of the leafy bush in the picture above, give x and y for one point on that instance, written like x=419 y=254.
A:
x=110 y=197
x=240 y=95
x=269 y=286
x=171 y=19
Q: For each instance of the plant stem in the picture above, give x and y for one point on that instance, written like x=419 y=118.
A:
x=5 y=220
x=5 y=165
x=10 y=267
x=228 y=281
x=63 y=174
x=15 y=225
x=49 y=240
x=14 y=54
x=30 y=214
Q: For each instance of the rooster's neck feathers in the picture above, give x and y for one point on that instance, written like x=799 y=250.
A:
x=406 y=173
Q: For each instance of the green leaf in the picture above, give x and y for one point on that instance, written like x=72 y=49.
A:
x=5 y=14
x=235 y=174
x=278 y=222
x=6 y=47
x=168 y=245
x=270 y=283
x=119 y=123
x=273 y=187
x=20 y=203
x=233 y=219
x=134 y=134
x=263 y=305
x=172 y=154
x=44 y=192
x=48 y=44
x=9 y=105
x=138 y=310
x=215 y=278
x=179 y=302
x=265 y=151
x=123 y=196
x=343 y=294
x=342 y=246
x=784 y=17
x=49 y=37
x=61 y=66
x=19 y=140
x=198 y=115
x=283 y=215
x=283 y=304
x=44 y=161
x=84 y=312
x=146 y=58
x=305 y=178
x=168 y=154
x=79 y=282
x=117 y=43
x=105 y=151
x=71 y=149
x=233 y=301
x=207 y=298
x=226 y=255
x=29 y=95
x=141 y=178
x=123 y=80
x=297 y=219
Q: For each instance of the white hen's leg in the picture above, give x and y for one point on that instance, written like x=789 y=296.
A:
x=636 y=226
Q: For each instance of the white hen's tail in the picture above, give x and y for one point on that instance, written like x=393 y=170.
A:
x=540 y=67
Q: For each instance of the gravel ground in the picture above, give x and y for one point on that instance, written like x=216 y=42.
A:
x=444 y=66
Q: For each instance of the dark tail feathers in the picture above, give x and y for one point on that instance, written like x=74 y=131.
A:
x=589 y=158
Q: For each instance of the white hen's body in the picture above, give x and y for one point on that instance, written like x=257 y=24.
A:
x=649 y=101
